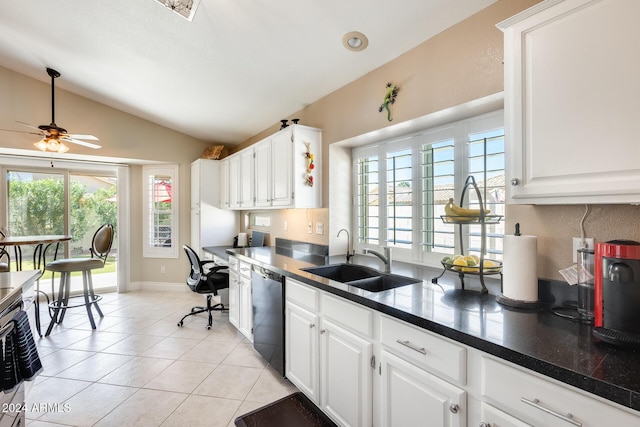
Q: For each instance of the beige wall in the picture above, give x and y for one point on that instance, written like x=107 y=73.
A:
x=460 y=64
x=121 y=136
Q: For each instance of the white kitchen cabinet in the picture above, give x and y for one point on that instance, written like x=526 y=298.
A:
x=524 y=395
x=411 y=395
x=234 y=181
x=262 y=170
x=272 y=172
x=245 y=302
x=494 y=417
x=234 y=291
x=346 y=375
x=301 y=349
x=247 y=178
x=224 y=183
x=330 y=363
x=572 y=95
x=210 y=225
x=234 y=298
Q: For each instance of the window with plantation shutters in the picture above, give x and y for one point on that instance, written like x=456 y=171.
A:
x=160 y=211
x=403 y=185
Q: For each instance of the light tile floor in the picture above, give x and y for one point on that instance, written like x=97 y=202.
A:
x=140 y=369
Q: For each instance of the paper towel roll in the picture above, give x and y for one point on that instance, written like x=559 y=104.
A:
x=242 y=239
x=520 y=268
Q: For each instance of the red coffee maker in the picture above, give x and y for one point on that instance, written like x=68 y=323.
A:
x=617 y=292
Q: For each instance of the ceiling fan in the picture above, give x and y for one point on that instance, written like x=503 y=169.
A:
x=53 y=135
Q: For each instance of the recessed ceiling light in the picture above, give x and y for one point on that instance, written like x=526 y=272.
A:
x=355 y=41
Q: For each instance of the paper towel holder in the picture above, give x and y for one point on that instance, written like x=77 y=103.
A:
x=510 y=302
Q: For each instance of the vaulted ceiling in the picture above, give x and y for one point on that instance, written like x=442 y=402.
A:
x=237 y=68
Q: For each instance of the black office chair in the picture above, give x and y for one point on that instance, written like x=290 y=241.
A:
x=205 y=283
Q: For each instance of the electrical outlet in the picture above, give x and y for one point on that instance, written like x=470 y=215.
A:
x=162 y=269
x=589 y=243
x=310 y=228
x=285 y=226
x=319 y=228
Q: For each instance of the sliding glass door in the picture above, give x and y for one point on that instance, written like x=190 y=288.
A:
x=63 y=202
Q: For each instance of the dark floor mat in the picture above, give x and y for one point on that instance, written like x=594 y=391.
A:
x=295 y=410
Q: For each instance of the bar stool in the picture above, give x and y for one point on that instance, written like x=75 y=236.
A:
x=100 y=248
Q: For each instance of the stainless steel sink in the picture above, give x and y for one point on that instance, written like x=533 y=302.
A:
x=361 y=277
x=343 y=272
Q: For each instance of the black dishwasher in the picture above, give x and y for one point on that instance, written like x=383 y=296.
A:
x=268 y=316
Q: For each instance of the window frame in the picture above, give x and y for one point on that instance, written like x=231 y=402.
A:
x=460 y=132
x=148 y=173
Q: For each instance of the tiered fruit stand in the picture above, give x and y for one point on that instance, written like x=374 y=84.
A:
x=483 y=219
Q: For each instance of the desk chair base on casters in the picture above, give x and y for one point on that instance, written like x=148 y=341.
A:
x=209 y=283
x=208 y=309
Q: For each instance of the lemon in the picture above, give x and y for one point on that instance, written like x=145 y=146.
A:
x=470 y=269
x=460 y=262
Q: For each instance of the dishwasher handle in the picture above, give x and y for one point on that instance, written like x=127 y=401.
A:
x=267 y=274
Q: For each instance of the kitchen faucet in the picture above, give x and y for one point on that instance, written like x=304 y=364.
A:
x=386 y=258
x=350 y=254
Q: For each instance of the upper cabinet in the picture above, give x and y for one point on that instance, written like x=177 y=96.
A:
x=281 y=171
x=572 y=95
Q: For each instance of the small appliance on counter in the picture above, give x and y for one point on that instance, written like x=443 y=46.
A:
x=617 y=292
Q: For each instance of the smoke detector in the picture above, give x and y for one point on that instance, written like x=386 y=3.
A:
x=184 y=8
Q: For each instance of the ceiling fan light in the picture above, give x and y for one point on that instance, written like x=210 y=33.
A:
x=41 y=145
x=62 y=148
x=53 y=144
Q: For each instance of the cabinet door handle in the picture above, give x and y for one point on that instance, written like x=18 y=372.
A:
x=536 y=404
x=483 y=424
x=313 y=325
x=515 y=182
x=454 y=408
x=412 y=346
x=322 y=331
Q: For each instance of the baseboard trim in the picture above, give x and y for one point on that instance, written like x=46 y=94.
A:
x=157 y=286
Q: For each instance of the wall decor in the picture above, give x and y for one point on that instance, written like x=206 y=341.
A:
x=310 y=166
x=389 y=98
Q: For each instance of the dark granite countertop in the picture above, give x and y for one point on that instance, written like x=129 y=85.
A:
x=535 y=339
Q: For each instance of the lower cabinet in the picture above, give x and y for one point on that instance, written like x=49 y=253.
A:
x=234 y=298
x=493 y=417
x=345 y=375
x=413 y=397
x=345 y=357
x=240 y=303
x=330 y=364
x=533 y=399
x=301 y=349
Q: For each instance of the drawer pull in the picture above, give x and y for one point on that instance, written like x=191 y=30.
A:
x=536 y=404
x=412 y=346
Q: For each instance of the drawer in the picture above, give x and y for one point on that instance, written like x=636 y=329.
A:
x=351 y=316
x=491 y=416
x=233 y=263
x=545 y=402
x=245 y=269
x=424 y=349
x=301 y=294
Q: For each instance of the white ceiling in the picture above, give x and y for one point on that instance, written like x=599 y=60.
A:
x=239 y=67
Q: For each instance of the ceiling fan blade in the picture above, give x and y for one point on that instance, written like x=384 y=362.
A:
x=78 y=142
x=22 y=131
x=79 y=136
x=28 y=125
